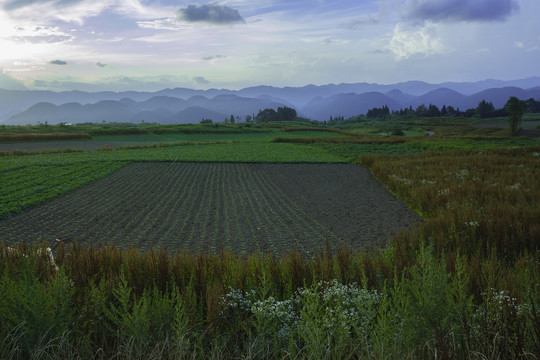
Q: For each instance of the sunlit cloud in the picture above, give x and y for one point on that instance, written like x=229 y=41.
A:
x=250 y=42
x=76 y=11
x=408 y=41
x=161 y=24
x=39 y=34
x=10 y=83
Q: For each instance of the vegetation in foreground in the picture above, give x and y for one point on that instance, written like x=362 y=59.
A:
x=109 y=303
x=464 y=285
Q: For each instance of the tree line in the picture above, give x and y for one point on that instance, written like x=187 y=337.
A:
x=284 y=113
x=484 y=109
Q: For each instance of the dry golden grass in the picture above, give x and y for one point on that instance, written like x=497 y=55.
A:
x=482 y=204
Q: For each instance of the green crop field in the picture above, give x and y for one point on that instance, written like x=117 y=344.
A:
x=33 y=179
x=342 y=242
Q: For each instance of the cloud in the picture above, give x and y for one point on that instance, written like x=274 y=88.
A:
x=17 y=4
x=40 y=35
x=112 y=83
x=161 y=24
x=46 y=11
x=77 y=11
x=213 y=57
x=360 y=22
x=325 y=40
x=407 y=41
x=41 y=83
x=460 y=10
x=199 y=80
x=101 y=65
x=379 y=52
x=58 y=62
x=10 y=83
x=210 y=13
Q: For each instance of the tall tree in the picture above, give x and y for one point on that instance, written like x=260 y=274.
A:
x=443 y=110
x=287 y=113
x=433 y=111
x=485 y=109
x=421 y=110
x=266 y=115
x=515 y=108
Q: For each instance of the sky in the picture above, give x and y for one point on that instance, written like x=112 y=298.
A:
x=148 y=45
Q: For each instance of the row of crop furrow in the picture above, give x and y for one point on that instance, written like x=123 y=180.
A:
x=113 y=203
x=229 y=215
x=94 y=207
x=160 y=197
x=298 y=213
x=171 y=227
x=240 y=217
x=196 y=214
x=180 y=232
x=175 y=189
x=220 y=237
x=256 y=218
x=279 y=202
x=182 y=187
x=200 y=233
x=109 y=204
x=272 y=231
x=231 y=237
x=281 y=212
x=248 y=226
x=231 y=206
x=59 y=219
x=205 y=240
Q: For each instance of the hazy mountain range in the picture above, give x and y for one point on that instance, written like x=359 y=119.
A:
x=182 y=105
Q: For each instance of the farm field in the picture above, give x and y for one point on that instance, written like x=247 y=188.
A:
x=113 y=141
x=460 y=282
x=210 y=207
x=32 y=179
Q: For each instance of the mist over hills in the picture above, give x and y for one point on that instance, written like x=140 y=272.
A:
x=180 y=105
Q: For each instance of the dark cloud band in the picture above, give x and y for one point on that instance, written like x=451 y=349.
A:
x=210 y=13
x=460 y=10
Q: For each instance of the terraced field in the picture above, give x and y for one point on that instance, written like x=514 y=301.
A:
x=214 y=206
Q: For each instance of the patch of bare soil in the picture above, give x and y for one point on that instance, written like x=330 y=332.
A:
x=346 y=199
x=208 y=206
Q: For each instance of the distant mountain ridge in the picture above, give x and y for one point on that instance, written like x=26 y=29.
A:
x=181 y=105
x=160 y=109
